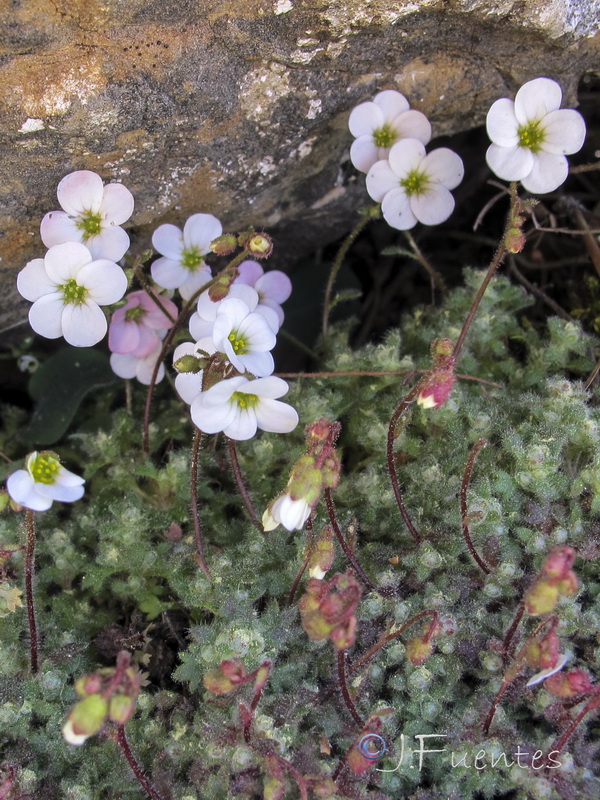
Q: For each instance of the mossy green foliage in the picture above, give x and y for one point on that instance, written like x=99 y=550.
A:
x=113 y=572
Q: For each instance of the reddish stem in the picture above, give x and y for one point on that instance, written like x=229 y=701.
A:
x=146 y=785
x=29 y=575
x=298 y=777
x=341 y=665
x=344 y=544
x=239 y=479
x=398 y=413
x=513 y=628
x=463 y=503
x=196 y=443
x=591 y=705
x=488 y=720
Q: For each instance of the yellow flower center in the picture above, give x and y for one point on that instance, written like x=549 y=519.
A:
x=44 y=468
x=531 y=136
x=89 y=224
x=191 y=258
x=415 y=182
x=245 y=400
x=384 y=136
x=134 y=314
x=73 y=292
x=239 y=345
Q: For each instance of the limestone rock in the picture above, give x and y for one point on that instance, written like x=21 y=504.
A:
x=240 y=108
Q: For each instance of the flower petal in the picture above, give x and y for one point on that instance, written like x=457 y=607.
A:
x=381 y=180
x=45 y=315
x=249 y=272
x=391 y=103
x=123 y=337
x=271 y=387
x=509 y=163
x=565 y=132
x=33 y=281
x=433 y=206
x=80 y=191
x=105 y=281
x=412 y=125
x=444 y=166
x=547 y=173
x=396 y=210
x=195 y=280
x=66 y=478
x=200 y=230
x=405 y=156
x=243 y=426
x=64 y=261
x=124 y=365
x=501 y=124
x=112 y=243
x=117 y=204
x=83 y=324
x=22 y=488
x=537 y=98
x=168 y=240
x=365 y=118
x=364 y=153
x=274 y=285
x=56 y=491
x=260 y=364
x=58 y=227
x=168 y=273
x=274 y=416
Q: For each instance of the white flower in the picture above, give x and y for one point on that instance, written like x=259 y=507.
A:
x=545 y=673
x=127 y=365
x=203 y=320
x=532 y=135
x=42 y=481
x=414 y=187
x=182 y=266
x=292 y=514
x=67 y=288
x=189 y=384
x=238 y=406
x=92 y=215
x=381 y=123
x=244 y=337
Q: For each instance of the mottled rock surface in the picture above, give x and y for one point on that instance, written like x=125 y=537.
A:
x=240 y=108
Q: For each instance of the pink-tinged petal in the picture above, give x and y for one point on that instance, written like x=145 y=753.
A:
x=168 y=241
x=565 y=132
x=117 y=204
x=123 y=365
x=274 y=416
x=274 y=285
x=271 y=388
x=509 y=163
x=501 y=124
x=549 y=171
x=105 y=281
x=22 y=488
x=147 y=343
x=58 y=227
x=195 y=280
x=123 y=337
x=413 y=125
x=45 y=315
x=64 y=261
x=64 y=494
x=444 y=166
x=154 y=317
x=396 y=210
x=405 y=156
x=243 y=426
x=537 y=98
x=111 y=243
x=66 y=478
x=391 y=103
x=33 y=281
x=168 y=273
x=259 y=364
x=80 y=192
x=249 y=272
x=433 y=206
x=364 y=153
x=381 y=180
x=200 y=230
x=365 y=118
x=84 y=324
x=207 y=309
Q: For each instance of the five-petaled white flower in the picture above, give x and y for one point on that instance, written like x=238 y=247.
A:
x=92 y=215
x=286 y=511
x=182 y=265
x=245 y=337
x=238 y=406
x=42 y=481
x=532 y=135
x=67 y=288
x=414 y=187
x=381 y=123
x=203 y=319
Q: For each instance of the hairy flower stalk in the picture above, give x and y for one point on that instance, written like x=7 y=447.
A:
x=29 y=597
x=194 y=465
x=464 y=488
x=239 y=479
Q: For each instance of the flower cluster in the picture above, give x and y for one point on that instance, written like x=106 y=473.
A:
x=79 y=272
x=411 y=185
x=327 y=609
x=556 y=579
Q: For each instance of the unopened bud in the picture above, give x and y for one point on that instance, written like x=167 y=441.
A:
x=121 y=708
x=189 y=364
x=418 y=650
x=225 y=679
x=442 y=348
x=260 y=245
x=541 y=598
x=514 y=240
x=224 y=245
x=220 y=288
x=88 y=684
x=436 y=389
x=86 y=719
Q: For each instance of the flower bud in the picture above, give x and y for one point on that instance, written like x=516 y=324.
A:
x=549 y=650
x=541 y=598
x=220 y=288
x=121 y=708
x=189 y=364
x=418 y=650
x=514 y=240
x=323 y=555
x=88 y=684
x=260 y=245
x=226 y=677
x=441 y=349
x=436 y=389
x=568 y=684
x=558 y=562
x=224 y=245
x=85 y=719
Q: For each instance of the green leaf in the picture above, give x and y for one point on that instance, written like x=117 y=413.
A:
x=58 y=388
